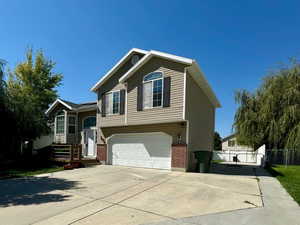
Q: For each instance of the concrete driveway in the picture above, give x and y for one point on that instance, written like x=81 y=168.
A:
x=122 y=195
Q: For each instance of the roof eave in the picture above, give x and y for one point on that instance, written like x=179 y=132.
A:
x=116 y=67
x=203 y=83
x=55 y=103
x=151 y=54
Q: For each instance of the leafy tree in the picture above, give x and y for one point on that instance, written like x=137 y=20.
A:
x=217 y=141
x=31 y=87
x=2 y=84
x=271 y=115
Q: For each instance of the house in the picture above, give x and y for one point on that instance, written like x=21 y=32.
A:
x=74 y=124
x=154 y=110
x=229 y=143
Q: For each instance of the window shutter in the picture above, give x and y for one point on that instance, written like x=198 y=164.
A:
x=140 y=97
x=122 y=101
x=103 y=101
x=167 y=92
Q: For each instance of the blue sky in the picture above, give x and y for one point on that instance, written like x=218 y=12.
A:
x=235 y=42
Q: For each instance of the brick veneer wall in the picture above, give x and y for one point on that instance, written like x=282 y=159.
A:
x=179 y=156
x=102 y=152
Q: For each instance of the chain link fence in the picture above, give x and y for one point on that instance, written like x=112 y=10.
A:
x=283 y=156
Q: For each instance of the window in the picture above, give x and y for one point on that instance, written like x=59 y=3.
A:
x=60 y=124
x=112 y=103
x=71 y=124
x=152 y=90
x=231 y=143
x=89 y=122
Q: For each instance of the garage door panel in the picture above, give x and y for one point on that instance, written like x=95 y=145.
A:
x=150 y=150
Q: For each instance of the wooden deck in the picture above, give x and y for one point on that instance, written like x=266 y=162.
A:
x=70 y=153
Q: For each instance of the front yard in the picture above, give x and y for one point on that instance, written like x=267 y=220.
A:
x=25 y=168
x=289 y=177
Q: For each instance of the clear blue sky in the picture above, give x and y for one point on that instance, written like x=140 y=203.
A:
x=235 y=42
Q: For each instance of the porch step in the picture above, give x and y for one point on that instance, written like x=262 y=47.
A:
x=88 y=162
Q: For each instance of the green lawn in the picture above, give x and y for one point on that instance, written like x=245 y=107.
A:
x=29 y=168
x=31 y=172
x=289 y=178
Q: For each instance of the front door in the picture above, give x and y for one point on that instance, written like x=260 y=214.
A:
x=89 y=140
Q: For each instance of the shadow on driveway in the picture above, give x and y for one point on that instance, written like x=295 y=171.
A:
x=233 y=169
x=33 y=190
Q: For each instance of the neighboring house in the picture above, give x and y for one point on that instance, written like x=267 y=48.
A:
x=229 y=143
x=74 y=124
x=154 y=110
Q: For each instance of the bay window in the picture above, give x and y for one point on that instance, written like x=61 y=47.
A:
x=60 y=123
x=71 y=124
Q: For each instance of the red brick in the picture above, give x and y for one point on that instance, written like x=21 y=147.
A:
x=179 y=156
x=101 y=152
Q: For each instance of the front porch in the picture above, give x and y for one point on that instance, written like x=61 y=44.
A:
x=71 y=153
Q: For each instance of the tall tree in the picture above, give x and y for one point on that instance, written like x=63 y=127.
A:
x=271 y=115
x=32 y=87
x=217 y=141
x=2 y=84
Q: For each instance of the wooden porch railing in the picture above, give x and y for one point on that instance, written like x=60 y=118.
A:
x=67 y=152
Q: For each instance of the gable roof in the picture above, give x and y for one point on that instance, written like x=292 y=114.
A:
x=228 y=137
x=148 y=56
x=72 y=106
x=120 y=63
x=192 y=67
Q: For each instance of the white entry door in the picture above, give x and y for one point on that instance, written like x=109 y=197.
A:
x=149 y=150
x=89 y=142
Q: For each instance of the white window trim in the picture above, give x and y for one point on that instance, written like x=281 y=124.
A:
x=68 y=124
x=56 y=125
x=112 y=97
x=162 y=90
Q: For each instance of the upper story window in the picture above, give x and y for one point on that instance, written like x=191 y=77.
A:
x=231 y=143
x=112 y=102
x=89 y=122
x=153 y=90
x=60 y=123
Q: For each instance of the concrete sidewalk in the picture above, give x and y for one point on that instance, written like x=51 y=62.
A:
x=279 y=208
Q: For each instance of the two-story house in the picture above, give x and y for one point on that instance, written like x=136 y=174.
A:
x=153 y=110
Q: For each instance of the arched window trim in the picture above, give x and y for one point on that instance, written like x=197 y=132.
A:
x=162 y=91
x=145 y=81
x=87 y=118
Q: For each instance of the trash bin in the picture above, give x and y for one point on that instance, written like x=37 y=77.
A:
x=203 y=161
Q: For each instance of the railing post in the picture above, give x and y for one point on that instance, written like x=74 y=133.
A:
x=79 y=151
x=72 y=153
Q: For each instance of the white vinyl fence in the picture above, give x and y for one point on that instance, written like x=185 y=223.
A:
x=241 y=156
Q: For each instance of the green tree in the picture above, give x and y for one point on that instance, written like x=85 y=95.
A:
x=32 y=87
x=271 y=115
x=217 y=141
x=2 y=84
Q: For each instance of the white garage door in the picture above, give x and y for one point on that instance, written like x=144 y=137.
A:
x=149 y=150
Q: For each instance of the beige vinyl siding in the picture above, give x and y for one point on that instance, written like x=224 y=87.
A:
x=159 y=114
x=172 y=129
x=113 y=85
x=201 y=116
